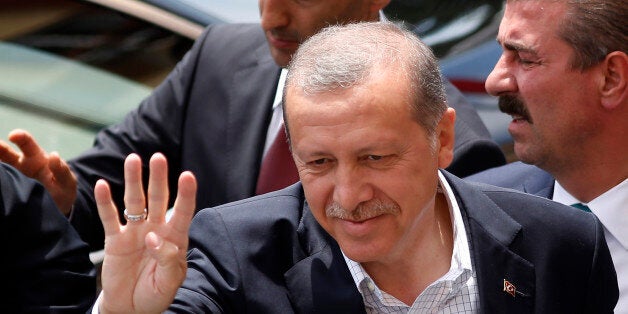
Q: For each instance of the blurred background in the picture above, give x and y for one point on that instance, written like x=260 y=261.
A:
x=71 y=67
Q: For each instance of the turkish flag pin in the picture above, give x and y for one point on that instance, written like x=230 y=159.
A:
x=509 y=288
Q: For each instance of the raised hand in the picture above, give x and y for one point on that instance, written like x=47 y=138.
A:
x=145 y=260
x=49 y=169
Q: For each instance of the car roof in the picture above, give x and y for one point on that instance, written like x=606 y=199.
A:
x=186 y=17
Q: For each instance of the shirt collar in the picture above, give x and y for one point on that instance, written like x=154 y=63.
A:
x=562 y=196
x=382 y=17
x=280 y=85
x=610 y=208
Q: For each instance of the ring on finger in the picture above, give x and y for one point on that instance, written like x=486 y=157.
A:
x=135 y=218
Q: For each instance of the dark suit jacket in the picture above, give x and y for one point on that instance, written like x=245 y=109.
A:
x=45 y=266
x=211 y=116
x=269 y=255
x=519 y=176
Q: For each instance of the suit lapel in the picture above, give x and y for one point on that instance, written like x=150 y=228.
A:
x=249 y=105
x=498 y=269
x=320 y=281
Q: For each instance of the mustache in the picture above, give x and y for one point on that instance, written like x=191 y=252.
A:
x=512 y=105
x=363 y=211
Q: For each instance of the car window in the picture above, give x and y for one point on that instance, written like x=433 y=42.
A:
x=448 y=26
x=69 y=68
x=62 y=102
x=101 y=37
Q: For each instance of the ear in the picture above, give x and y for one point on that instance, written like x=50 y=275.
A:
x=377 y=5
x=614 y=86
x=445 y=136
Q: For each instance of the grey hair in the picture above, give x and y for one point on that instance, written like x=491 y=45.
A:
x=343 y=56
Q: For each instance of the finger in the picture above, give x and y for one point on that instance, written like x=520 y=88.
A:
x=171 y=264
x=106 y=208
x=134 y=199
x=65 y=183
x=8 y=154
x=158 y=188
x=184 y=206
x=62 y=172
x=27 y=144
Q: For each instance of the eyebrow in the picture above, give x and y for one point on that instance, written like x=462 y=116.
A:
x=517 y=47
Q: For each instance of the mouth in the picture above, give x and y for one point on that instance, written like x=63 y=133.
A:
x=359 y=228
x=519 y=118
x=282 y=42
x=361 y=220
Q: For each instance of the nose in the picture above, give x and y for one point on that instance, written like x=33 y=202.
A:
x=351 y=187
x=500 y=80
x=274 y=14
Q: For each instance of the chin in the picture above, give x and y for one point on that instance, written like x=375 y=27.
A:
x=362 y=252
x=525 y=154
x=281 y=59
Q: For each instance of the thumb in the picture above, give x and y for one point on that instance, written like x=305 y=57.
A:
x=171 y=266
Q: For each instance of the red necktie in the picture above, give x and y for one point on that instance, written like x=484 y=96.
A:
x=278 y=170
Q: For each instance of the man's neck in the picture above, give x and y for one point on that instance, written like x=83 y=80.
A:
x=587 y=182
x=598 y=163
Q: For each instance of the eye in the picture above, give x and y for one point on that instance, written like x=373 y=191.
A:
x=320 y=161
x=383 y=161
x=526 y=62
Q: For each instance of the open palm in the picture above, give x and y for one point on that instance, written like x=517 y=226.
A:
x=145 y=261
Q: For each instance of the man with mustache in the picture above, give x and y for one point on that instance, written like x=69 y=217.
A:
x=563 y=77
x=374 y=226
x=218 y=114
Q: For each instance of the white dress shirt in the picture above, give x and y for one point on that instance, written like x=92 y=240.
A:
x=454 y=292
x=611 y=208
x=276 y=121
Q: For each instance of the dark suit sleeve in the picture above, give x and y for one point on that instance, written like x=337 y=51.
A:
x=474 y=149
x=155 y=126
x=213 y=283
x=45 y=266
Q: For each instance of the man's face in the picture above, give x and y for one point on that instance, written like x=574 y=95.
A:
x=287 y=23
x=551 y=103
x=368 y=169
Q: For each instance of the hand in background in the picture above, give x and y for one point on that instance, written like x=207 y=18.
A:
x=49 y=169
x=145 y=260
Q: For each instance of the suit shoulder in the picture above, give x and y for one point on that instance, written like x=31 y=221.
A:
x=263 y=211
x=541 y=214
x=226 y=37
x=510 y=175
x=529 y=210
